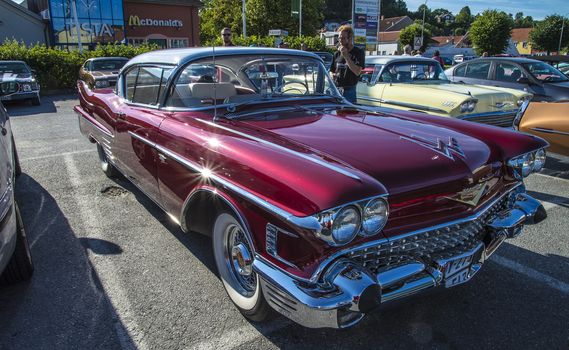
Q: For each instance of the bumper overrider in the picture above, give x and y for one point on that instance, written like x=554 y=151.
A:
x=357 y=281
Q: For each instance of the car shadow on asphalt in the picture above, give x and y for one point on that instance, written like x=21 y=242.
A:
x=49 y=104
x=501 y=299
x=64 y=304
x=556 y=165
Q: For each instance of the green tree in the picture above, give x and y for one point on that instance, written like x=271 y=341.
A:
x=464 y=18
x=491 y=32
x=262 y=15
x=545 y=35
x=407 y=35
x=393 y=8
x=522 y=22
x=338 y=10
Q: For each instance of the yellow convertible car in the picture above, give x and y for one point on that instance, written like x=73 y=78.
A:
x=419 y=84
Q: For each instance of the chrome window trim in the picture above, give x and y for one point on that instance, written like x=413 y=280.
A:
x=287 y=150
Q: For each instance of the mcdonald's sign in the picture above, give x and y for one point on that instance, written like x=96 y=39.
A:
x=136 y=21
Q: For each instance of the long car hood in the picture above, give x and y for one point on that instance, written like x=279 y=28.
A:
x=398 y=153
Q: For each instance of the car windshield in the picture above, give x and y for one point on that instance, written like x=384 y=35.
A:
x=13 y=67
x=249 y=79
x=108 y=64
x=544 y=72
x=413 y=72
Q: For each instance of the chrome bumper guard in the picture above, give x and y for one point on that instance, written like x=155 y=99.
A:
x=347 y=290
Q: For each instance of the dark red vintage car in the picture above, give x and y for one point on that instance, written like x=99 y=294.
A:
x=317 y=209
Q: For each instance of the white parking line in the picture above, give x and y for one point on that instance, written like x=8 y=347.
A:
x=124 y=321
x=241 y=335
x=57 y=155
x=531 y=273
x=552 y=177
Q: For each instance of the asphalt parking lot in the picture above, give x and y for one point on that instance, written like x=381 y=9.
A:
x=113 y=272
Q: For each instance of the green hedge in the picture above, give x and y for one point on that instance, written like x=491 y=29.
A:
x=314 y=43
x=57 y=68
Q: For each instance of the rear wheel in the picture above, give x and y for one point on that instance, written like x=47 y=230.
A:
x=106 y=166
x=234 y=259
x=20 y=267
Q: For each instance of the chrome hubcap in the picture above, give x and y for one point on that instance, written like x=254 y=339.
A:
x=240 y=260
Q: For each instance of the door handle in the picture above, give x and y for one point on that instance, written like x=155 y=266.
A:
x=121 y=115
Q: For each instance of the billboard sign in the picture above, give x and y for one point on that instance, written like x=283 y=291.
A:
x=365 y=21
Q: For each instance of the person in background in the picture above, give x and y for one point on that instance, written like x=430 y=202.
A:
x=226 y=37
x=485 y=54
x=437 y=57
x=347 y=63
x=304 y=47
x=407 y=50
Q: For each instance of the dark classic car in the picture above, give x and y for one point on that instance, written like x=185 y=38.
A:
x=17 y=82
x=317 y=209
x=15 y=258
x=101 y=72
x=546 y=83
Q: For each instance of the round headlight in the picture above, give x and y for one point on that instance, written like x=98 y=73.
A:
x=464 y=107
x=101 y=83
x=539 y=160
x=527 y=164
x=374 y=216
x=471 y=106
x=346 y=225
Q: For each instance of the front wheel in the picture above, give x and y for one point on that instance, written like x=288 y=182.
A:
x=20 y=267
x=234 y=259
x=106 y=166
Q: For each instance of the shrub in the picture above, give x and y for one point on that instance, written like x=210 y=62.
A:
x=58 y=69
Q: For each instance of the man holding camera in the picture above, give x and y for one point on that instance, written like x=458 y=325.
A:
x=347 y=63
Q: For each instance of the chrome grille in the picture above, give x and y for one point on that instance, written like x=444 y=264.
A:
x=501 y=120
x=438 y=243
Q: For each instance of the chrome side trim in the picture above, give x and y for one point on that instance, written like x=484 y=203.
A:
x=489 y=114
x=307 y=222
x=324 y=264
x=551 y=131
x=414 y=106
x=5 y=200
x=85 y=116
x=237 y=212
x=271 y=243
x=284 y=149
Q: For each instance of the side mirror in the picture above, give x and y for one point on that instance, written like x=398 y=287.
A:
x=523 y=80
x=33 y=71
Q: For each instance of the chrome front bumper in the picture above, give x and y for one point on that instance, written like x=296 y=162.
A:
x=347 y=290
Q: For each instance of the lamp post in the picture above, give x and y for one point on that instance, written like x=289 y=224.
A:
x=561 y=36
x=423 y=25
x=244 y=21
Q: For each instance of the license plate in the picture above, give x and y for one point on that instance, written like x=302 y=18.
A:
x=457 y=265
x=27 y=88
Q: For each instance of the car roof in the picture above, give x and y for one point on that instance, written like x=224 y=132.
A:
x=389 y=59
x=107 y=58
x=185 y=55
x=508 y=59
x=13 y=61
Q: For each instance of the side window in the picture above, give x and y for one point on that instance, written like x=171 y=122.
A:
x=145 y=84
x=478 y=70
x=86 y=66
x=508 y=72
x=459 y=72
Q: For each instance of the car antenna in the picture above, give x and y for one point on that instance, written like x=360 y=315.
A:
x=215 y=118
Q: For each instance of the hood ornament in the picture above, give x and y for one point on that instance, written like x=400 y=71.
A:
x=446 y=149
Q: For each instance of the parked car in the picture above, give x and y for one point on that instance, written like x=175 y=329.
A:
x=15 y=258
x=538 y=78
x=316 y=208
x=327 y=57
x=561 y=62
x=101 y=72
x=549 y=121
x=419 y=84
x=456 y=59
x=18 y=82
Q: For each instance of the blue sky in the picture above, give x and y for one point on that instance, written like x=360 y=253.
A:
x=537 y=9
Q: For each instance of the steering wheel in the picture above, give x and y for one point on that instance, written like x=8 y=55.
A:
x=283 y=90
x=418 y=76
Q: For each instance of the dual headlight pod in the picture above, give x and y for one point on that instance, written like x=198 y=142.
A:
x=468 y=106
x=342 y=224
x=528 y=163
